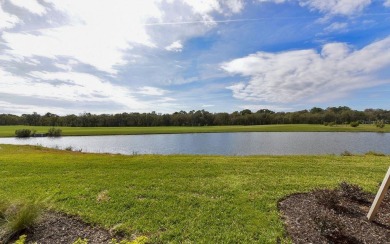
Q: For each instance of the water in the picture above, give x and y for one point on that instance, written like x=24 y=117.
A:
x=246 y=143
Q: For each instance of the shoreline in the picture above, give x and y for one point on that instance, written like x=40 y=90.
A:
x=9 y=131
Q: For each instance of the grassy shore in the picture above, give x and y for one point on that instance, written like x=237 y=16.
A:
x=9 y=131
x=178 y=198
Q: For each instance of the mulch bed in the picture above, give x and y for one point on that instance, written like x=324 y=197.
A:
x=61 y=228
x=335 y=216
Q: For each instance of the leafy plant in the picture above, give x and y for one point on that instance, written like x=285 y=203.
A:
x=54 y=132
x=354 y=124
x=23 y=133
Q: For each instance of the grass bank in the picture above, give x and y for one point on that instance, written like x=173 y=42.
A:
x=178 y=198
x=9 y=131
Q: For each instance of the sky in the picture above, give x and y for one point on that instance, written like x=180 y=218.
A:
x=114 y=56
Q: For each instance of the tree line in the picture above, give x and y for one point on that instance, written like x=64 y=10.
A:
x=334 y=115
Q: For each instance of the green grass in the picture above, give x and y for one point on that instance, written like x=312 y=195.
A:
x=178 y=198
x=8 y=131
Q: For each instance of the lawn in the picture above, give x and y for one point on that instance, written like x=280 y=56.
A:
x=178 y=198
x=8 y=131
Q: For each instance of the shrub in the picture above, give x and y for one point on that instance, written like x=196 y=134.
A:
x=373 y=153
x=17 y=217
x=346 y=153
x=23 y=133
x=332 y=124
x=380 y=123
x=354 y=124
x=54 y=132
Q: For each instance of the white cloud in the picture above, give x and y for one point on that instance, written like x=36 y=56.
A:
x=152 y=91
x=336 y=27
x=12 y=108
x=67 y=86
x=175 y=46
x=272 y=1
x=235 y=5
x=99 y=32
x=204 y=7
x=7 y=20
x=31 y=5
x=336 y=7
x=308 y=75
x=208 y=105
x=387 y=3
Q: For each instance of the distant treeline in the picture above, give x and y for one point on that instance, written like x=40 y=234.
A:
x=336 y=115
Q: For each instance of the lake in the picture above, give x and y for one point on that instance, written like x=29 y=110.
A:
x=242 y=143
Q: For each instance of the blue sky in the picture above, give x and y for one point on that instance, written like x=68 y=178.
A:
x=75 y=56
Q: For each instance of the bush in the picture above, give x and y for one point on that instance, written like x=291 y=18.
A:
x=332 y=124
x=354 y=124
x=373 y=153
x=380 y=123
x=23 y=133
x=346 y=153
x=54 y=132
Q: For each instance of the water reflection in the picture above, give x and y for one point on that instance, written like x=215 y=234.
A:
x=246 y=143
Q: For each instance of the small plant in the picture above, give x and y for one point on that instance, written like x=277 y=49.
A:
x=332 y=124
x=14 y=218
x=22 y=133
x=346 y=153
x=138 y=240
x=54 y=132
x=69 y=148
x=81 y=241
x=354 y=124
x=326 y=123
x=373 y=153
x=21 y=239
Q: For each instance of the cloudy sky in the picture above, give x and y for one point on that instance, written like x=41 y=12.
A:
x=110 y=56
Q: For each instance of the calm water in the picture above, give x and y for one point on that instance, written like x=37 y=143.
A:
x=247 y=143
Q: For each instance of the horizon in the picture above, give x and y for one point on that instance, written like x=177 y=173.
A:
x=166 y=56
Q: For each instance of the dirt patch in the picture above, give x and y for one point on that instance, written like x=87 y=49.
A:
x=61 y=228
x=335 y=216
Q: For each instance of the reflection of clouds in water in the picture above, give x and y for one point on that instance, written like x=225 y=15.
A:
x=248 y=143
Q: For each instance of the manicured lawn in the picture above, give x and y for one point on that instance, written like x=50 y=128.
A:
x=7 y=131
x=178 y=198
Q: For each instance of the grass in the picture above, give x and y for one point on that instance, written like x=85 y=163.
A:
x=178 y=198
x=9 y=131
x=16 y=217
